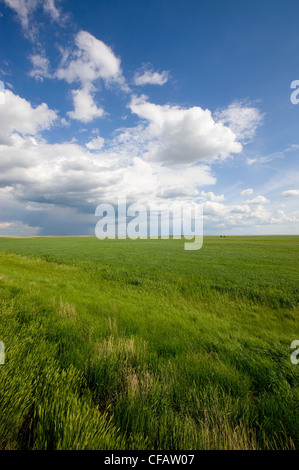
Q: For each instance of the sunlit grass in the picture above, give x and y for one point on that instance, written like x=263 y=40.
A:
x=142 y=345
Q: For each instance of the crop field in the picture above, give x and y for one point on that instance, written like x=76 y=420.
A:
x=122 y=344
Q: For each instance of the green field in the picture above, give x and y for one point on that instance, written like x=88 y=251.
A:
x=122 y=344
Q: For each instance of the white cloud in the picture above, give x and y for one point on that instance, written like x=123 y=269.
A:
x=95 y=144
x=258 y=200
x=245 y=216
x=291 y=193
x=247 y=192
x=214 y=208
x=250 y=161
x=69 y=179
x=40 y=67
x=175 y=135
x=8 y=229
x=34 y=172
x=18 y=116
x=69 y=175
x=240 y=209
x=65 y=182
x=272 y=156
x=85 y=108
x=49 y=7
x=25 y=9
x=211 y=196
x=241 y=118
x=147 y=76
x=91 y=60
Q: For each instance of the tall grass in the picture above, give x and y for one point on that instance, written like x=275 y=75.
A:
x=105 y=350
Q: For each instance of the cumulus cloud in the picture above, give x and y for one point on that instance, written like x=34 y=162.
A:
x=147 y=76
x=257 y=200
x=182 y=135
x=165 y=157
x=67 y=174
x=56 y=187
x=247 y=216
x=241 y=118
x=243 y=216
x=291 y=193
x=18 y=117
x=8 y=229
x=85 y=109
x=247 y=192
x=36 y=173
x=211 y=196
x=95 y=144
x=91 y=60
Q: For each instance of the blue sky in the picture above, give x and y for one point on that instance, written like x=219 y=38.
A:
x=160 y=101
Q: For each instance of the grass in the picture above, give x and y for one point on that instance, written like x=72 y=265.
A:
x=122 y=344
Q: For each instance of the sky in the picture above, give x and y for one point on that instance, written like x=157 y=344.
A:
x=160 y=101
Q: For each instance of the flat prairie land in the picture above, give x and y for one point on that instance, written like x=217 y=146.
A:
x=122 y=344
